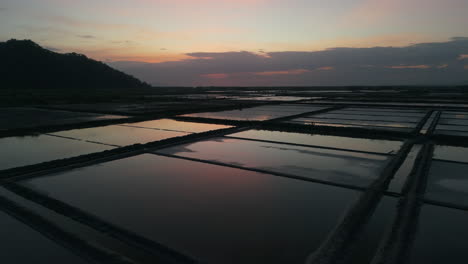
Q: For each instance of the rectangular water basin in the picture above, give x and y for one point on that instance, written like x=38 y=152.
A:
x=454 y=115
x=32 y=117
x=449 y=121
x=360 y=144
x=367 y=117
x=377 y=113
x=451 y=133
x=452 y=128
x=331 y=165
x=119 y=135
x=215 y=214
x=401 y=129
x=441 y=236
x=384 y=110
x=23 y=245
x=357 y=122
x=451 y=153
x=173 y=125
x=22 y=151
x=448 y=182
x=259 y=113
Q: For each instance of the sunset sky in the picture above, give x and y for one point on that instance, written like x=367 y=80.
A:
x=167 y=32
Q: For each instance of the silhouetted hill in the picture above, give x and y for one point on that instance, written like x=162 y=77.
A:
x=25 y=64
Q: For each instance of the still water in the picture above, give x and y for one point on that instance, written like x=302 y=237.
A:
x=21 y=151
x=23 y=245
x=215 y=214
x=337 y=166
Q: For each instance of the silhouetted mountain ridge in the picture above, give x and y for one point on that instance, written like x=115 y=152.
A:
x=25 y=64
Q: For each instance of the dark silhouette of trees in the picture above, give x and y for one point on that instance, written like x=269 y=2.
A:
x=25 y=64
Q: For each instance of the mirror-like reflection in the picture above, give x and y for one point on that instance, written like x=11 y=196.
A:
x=451 y=133
x=78 y=230
x=356 y=122
x=170 y=124
x=23 y=245
x=378 y=114
x=259 y=113
x=441 y=236
x=452 y=127
x=384 y=110
x=25 y=117
x=449 y=121
x=339 y=166
x=119 y=135
x=395 y=104
x=448 y=187
x=394 y=128
x=389 y=118
x=454 y=115
x=22 y=151
x=380 y=146
x=451 y=153
x=216 y=214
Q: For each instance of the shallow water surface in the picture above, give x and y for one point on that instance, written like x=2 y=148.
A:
x=395 y=127
x=333 y=115
x=337 y=166
x=36 y=117
x=23 y=245
x=169 y=124
x=22 y=151
x=452 y=127
x=451 y=133
x=259 y=113
x=361 y=144
x=355 y=122
x=119 y=135
x=451 y=153
x=448 y=187
x=397 y=111
x=216 y=214
x=441 y=236
x=450 y=121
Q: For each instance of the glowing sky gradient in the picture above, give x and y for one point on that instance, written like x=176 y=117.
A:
x=170 y=30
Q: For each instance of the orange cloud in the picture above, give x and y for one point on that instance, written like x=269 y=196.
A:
x=326 y=68
x=410 y=67
x=287 y=72
x=466 y=67
x=215 y=75
x=463 y=56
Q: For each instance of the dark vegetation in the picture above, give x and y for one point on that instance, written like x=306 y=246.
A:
x=26 y=65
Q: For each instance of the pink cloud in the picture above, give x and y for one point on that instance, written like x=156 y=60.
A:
x=463 y=57
x=287 y=72
x=410 y=67
x=326 y=68
x=215 y=75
